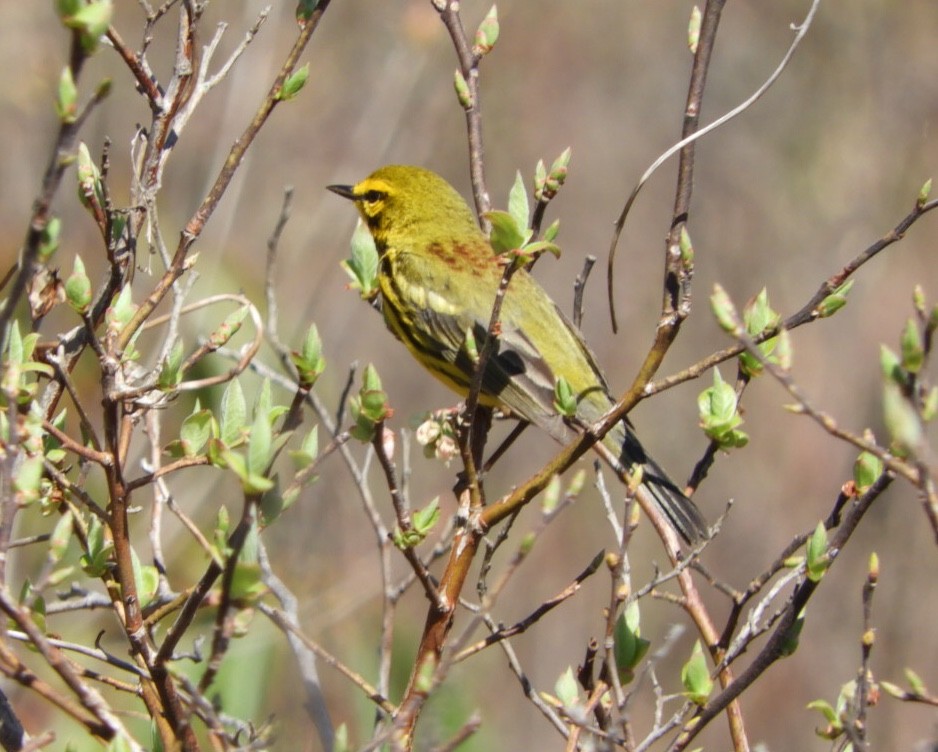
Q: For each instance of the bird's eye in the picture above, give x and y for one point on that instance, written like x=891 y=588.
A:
x=373 y=197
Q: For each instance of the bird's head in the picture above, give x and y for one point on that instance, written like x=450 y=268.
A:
x=401 y=203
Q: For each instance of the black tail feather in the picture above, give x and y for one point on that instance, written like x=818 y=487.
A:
x=681 y=512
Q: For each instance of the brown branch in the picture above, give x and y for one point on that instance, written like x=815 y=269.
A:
x=105 y=459
x=775 y=647
x=469 y=69
x=402 y=511
x=41 y=213
x=278 y=618
x=197 y=222
x=579 y=287
x=542 y=610
x=105 y=725
x=137 y=66
x=809 y=311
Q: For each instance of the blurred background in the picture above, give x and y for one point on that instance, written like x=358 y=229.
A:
x=827 y=162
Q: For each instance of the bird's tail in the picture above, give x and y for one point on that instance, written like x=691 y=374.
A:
x=681 y=512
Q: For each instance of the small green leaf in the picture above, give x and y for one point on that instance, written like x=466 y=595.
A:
x=90 y=189
x=233 y=414
x=565 y=401
x=370 y=407
x=67 y=8
x=506 y=234
x=535 y=249
x=309 y=361
x=724 y=310
x=825 y=709
x=915 y=683
x=422 y=522
x=687 y=248
x=866 y=471
x=263 y=401
x=170 y=374
x=892 y=690
x=518 y=202
x=550 y=234
x=15 y=352
x=220 y=534
x=276 y=501
x=228 y=328
x=147 y=579
x=61 y=535
x=913 y=351
x=923 y=194
x=903 y=423
x=890 y=365
x=540 y=178
x=78 y=287
x=695 y=676
x=792 y=638
x=566 y=689
x=719 y=416
x=835 y=301
x=758 y=317
x=362 y=266
x=247 y=585
x=195 y=432
x=27 y=479
x=462 y=90
x=49 y=240
x=918 y=300
x=424 y=519
x=557 y=175
x=471 y=346
x=293 y=84
x=95 y=561
x=693 y=30
x=308 y=451
x=551 y=495
x=66 y=104
x=630 y=647
x=259 y=446
x=341 y=741
x=817 y=560
x=304 y=10
x=122 y=308
x=487 y=33
x=91 y=21
x=575 y=488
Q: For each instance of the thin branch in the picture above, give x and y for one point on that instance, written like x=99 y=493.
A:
x=542 y=610
x=469 y=61
x=800 y=31
x=808 y=312
x=278 y=618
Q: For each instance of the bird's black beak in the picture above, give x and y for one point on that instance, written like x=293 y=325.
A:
x=345 y=191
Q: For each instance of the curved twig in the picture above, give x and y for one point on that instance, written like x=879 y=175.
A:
x=800 y=30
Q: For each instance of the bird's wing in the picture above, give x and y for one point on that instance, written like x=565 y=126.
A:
x=432 y=316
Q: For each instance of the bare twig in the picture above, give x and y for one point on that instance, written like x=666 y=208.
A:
x=579 y=286
x=469 y=61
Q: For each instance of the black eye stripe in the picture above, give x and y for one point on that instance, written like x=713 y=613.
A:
x=373 y=196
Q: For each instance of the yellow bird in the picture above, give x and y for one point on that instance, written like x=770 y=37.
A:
x=438 y=277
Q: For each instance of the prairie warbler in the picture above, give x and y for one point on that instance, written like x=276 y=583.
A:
x=438 y=277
